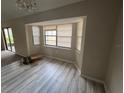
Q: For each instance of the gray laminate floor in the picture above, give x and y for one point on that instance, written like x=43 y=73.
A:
x=46 y=76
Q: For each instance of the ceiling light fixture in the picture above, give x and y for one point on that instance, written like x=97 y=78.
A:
x=29 y=5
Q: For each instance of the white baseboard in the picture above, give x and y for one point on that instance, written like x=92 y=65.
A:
x=98 y=81
x=93 y=79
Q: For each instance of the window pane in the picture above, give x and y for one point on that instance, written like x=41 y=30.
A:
x=7 y=38
x=36 y=40
x=64 y=44
x=52 y=38
x=11 y=39
x=64 y=33
x=64 y=41
x=50 y=42
x=11 y=35
x=53 y=32
x=36 y=31
x=36 y=35
x=64 y=30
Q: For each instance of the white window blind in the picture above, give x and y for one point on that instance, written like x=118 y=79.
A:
x=64 y=34
x=36 y=35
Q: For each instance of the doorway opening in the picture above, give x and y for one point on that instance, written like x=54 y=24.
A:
x=9 y=39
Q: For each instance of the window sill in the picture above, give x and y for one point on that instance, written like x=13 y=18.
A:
x=64 y=48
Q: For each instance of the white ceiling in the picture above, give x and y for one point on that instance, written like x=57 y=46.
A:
x=10 y=11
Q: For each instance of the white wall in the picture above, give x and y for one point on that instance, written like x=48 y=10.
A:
x=101 y=21
x=114 y=76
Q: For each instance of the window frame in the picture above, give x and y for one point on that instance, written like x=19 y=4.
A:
x=57 y=46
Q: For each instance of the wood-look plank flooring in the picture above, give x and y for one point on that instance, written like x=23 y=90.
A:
x=46 y=76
